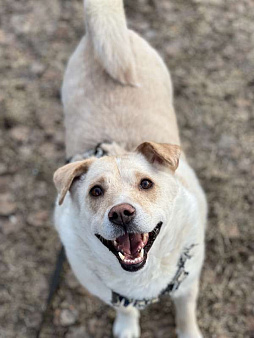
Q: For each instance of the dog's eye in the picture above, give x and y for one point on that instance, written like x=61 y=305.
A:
x=146 y=184
x=96 y=191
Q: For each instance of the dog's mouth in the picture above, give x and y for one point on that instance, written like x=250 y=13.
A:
x=131 y=249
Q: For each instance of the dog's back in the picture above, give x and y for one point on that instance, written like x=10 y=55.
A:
x=116 y=87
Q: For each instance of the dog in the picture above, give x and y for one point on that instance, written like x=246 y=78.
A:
x=130 y=211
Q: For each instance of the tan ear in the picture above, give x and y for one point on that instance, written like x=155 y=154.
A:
x=65 y=175
x=162 y=153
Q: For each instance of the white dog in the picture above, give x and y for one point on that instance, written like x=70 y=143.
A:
x=133 y=221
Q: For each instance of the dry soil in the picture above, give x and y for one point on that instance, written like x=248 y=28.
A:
x=209 y=47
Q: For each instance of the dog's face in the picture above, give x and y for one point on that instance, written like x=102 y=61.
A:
x=124 y=200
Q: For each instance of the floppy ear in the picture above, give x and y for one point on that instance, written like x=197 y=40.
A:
x=65 y=175
x=161 y=153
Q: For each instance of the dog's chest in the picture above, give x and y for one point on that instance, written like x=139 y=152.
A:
x=146 y=283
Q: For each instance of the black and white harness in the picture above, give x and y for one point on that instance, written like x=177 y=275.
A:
x=98 y=152
x=180 y=275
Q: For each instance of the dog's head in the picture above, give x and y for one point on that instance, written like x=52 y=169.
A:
x=124 y=200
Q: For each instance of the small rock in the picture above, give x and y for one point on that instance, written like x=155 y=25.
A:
x=243 y=103
x=209 y=276
x=3 y=168
x=41 y=286
x=33 y=320
x=250 y=323
x=7 y=205
x=20 y=133
x=51 y=75
x=42 y=189
x=229 y=230
x=48 y=150
x=2 y=36
x=227 y=142
x=56 y=319
x=5 y=182
x=93 y=324
x=78 y=332
x=68 y=317
x=233 y=231
x=174 y=48
x=25 y=152
x=11 y=225
x=37 y=68
x=38 y=218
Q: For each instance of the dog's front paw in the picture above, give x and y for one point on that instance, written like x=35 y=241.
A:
x=126 y=326
x=191 y=334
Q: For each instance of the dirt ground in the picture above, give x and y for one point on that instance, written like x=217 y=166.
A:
x=209 y=48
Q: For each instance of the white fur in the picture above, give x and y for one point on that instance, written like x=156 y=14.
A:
x=183 y=224
x=97 y=107
x=126 y=324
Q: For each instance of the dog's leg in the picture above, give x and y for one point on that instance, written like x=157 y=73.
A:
x=186 y=320
x=126 y=324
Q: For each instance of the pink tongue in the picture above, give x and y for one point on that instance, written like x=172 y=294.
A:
x=129 y=243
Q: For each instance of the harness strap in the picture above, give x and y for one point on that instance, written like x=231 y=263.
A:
x=53 y=286
x=98 y=152
x=118 y=300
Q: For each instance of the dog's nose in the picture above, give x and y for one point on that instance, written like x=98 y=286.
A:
x=122 y=214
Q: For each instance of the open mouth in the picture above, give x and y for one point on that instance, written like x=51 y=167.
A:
x=131 y=249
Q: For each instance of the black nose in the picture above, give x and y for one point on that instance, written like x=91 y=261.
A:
x=122 y=214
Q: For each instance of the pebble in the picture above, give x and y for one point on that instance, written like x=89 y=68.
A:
x=233 y=231
x=38 y=218
x=33 y=320
x=20 y=133
x=78 y=332
x=7 y=205
x=11 y=224
x=68 y=317
x=3 y=168
x=37 y=68
x=227 y=142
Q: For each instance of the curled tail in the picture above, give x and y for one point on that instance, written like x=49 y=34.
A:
x=106 y=27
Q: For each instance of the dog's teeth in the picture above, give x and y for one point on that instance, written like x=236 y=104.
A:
x=141 y=253
x=145 y=237
x=115 y=243
x=132 y=261
x=121 y=256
